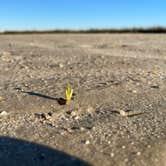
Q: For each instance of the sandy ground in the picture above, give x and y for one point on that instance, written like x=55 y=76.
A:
x=118 y=112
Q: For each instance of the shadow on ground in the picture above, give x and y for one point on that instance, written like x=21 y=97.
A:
x=60 y=100
x=16 y=152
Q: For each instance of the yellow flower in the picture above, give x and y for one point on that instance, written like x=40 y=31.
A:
x=69 y=92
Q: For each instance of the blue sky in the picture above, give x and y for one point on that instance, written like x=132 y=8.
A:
x=80 y=14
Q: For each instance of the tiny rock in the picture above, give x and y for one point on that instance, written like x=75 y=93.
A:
x=134 y=91
x=76 y=117
x=3 y=113
x=112 y=154
x=61 y=65
x=1 y=98
x=70 y=131
x=138 y=153
x=87 y=142
x=123 y=147
x=82 y=128
x=90 y=109
x=149 y=146
x=73 y=114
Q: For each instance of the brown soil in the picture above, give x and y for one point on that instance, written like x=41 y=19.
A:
x=114 y=77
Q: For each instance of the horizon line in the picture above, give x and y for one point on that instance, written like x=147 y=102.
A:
x=152 y=29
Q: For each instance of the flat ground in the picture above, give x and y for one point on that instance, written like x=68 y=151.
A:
x=113 y=76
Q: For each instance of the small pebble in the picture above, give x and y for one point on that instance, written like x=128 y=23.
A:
x=70 y=131
x=112 y=154
x=149 y=146
x=123 y=147
x=90 y=110
x=3 y=113
x=1 y=98
x=82 y=128
x=134 y=91
x=87 y=142
x=73 y=114
x=76 y=118
x=61 y=65
x=132 y=143
x=126 y=160
x=138 y=153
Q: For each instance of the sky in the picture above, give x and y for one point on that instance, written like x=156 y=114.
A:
x=80 y=14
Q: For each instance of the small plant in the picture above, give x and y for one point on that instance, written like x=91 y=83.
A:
x=69 y=93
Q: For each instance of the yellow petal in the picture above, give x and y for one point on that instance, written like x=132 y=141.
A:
x=69 y=92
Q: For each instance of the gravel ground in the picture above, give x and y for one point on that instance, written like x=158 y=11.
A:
x=118 y=112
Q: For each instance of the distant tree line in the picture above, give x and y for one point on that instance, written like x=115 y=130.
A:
x=112 y=30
